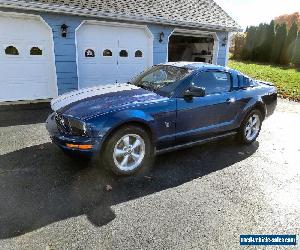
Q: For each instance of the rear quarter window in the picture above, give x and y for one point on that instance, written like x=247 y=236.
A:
x=246 y=82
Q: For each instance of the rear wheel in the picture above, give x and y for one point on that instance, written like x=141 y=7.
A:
x=250 y=127
x=129 y=151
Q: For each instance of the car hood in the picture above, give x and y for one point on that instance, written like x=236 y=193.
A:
x=89 y=102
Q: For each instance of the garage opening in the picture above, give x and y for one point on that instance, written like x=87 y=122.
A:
x=191 y=48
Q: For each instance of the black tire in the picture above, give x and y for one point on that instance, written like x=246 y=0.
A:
x=109 y=149
x=241 y=136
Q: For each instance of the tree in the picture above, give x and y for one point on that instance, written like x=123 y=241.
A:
x=278 y=44
x=260 y=37
x=289 y=45
x=237 y=45
x=247 y=53
x=296 y=53
x=266 y=47
x=289 y=19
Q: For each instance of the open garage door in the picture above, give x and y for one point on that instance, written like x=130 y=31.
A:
x=27 y=68
x=191 y=47
x=112 y=53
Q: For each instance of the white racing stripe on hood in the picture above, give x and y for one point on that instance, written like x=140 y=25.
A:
x=77 y=95
x=182 y=64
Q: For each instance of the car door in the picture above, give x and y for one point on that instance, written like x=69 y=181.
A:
x=200 y=117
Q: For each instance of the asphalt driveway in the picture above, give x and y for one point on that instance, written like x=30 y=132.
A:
x=200 y=198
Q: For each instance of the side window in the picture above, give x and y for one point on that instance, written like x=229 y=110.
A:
x=107 y=52
x=138 y=53
x=36 y=51
x=11 y=50
x=89 y=53
x=123 y=53
x=213 y=82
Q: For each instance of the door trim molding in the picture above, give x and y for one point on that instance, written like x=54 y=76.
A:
x=199 y=142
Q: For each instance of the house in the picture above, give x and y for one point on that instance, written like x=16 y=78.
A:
x=50 y=47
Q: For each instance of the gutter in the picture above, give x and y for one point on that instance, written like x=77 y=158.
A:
x=16 y=4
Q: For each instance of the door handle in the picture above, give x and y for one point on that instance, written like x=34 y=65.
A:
x=230 y=100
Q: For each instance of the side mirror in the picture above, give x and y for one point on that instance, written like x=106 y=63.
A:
x=194 y=91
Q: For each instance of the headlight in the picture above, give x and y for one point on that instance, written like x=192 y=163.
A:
x=71 y=125
x=77 y=127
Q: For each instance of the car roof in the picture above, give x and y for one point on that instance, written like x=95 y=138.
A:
x=195 y=65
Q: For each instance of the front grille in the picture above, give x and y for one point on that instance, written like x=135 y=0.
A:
x=62 y=123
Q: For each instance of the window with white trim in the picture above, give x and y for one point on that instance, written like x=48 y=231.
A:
x=107 y=52
x=138 y=54
x=89 y=53
x=36 y=51
x=123 y=53
x=11 y=50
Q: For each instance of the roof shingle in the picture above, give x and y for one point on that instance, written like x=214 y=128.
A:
x=189 y=13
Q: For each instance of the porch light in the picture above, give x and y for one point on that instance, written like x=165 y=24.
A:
x=161 y=37
x=225 y=39
x=64 y=30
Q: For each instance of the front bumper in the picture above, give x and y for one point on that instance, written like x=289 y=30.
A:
x=65 y=140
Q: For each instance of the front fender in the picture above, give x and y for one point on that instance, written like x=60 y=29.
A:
x=103 y=125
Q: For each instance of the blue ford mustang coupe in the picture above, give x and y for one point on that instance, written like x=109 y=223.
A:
x=167 y=107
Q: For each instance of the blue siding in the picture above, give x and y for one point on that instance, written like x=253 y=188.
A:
x=223 y=50
x=160 y=50
x=65 y=50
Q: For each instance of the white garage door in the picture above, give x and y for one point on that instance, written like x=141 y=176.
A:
x=112 y=54
x=27 y=70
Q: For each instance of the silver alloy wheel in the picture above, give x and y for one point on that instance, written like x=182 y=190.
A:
x=129 y=152
x=252 y=127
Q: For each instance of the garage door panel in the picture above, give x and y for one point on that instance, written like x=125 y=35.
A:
x=118 y=66
x=139 y=62
x=31 y=77
x=17 y=89
x=19 y=82
x=107 y=61
x=19 y=27
x=124 y=43
x=90 y=82
x=128 y=73
x=30 y=74
x=91 y=75
x=25 y=70
x=93 y=69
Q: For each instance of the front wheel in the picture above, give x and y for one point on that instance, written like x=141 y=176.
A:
x=250 y=127
x=129 y=151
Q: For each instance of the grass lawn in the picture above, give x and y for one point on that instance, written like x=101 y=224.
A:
x=287 y=80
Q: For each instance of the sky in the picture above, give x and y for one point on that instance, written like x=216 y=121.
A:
x=253 y=12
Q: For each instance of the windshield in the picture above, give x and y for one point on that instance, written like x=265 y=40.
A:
x=162 y=79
